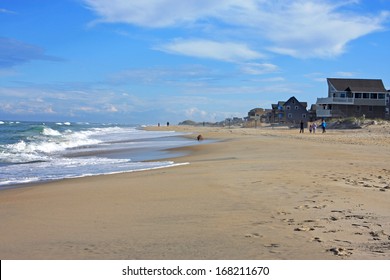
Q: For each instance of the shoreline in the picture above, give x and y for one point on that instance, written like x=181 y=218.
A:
x=140 y=155
x=254 y=194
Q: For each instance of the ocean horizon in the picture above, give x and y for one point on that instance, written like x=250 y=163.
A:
x=33 y=152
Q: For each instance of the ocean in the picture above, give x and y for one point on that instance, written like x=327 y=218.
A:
x=37 y=152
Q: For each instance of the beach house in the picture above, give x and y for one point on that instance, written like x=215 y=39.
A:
x=290 y=111
x=354 y=98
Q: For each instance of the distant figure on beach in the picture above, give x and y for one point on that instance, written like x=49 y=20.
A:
x=158 y=124
x=323 y=125
x=302 y=129
x=167 y=123
x=311 y=128
x=200 y=137
x=314 y=127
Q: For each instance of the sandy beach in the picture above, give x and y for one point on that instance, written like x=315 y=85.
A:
x=255 y=194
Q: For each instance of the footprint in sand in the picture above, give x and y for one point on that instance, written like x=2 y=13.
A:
x=341 y=252
x=302 y=207
x=272 y=245
x=357 y=225
x=311 y=221
x=316 y=239
x=284 y=213
x=303 y=228
x=378 y=235
x=253 y=235
x=289 y=221
x=319 y=206
x=356 y=216
x=338 y=211
x=343 y=241
x=332 y=231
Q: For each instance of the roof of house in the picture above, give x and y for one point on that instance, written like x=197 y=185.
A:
x=293 y=99
x=360 y=85
x=281 y=104
x=276 y=106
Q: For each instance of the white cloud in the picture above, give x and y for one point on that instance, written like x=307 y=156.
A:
x=313 y=28
x=86 y=109
x=182 y=75
x=273 y=80
x=195 y=113
x=346 y=74
x=258 y=68
x=316 y=77
x=321 y=77
x=5 y=11
x=49 y=110
x=300 y=28
x=111 y=108
x=225 y=51
x=158 y=13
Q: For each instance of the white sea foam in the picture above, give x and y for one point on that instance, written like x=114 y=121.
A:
x=34 y=152
x=50 y=132
x=75 y=168
x=52 y=142
x=43 y=147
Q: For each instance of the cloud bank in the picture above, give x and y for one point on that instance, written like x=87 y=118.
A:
x=301 y=29
x=14 y=52
x=224 y=51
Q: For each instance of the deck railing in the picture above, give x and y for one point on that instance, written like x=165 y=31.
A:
x=335 y=100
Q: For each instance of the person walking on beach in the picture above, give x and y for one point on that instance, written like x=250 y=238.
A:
x=323 y=124
x=314 y=127
x=302 y=129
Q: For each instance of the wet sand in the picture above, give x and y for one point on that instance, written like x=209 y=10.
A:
x=256 y=194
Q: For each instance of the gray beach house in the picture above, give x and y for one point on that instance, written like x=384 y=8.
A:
x=354 y=98
x=290 y=111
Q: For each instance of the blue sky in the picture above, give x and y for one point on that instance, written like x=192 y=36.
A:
x=152 y=61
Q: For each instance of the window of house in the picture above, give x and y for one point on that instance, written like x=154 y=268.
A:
x=303 y=116
x=296 y=107
x=381 y=96
x=366 y=95
x=374 y=96
x=357 y=108
x=342 y=95
x=358 y=95
x=370 y=108
x=288 y=108
x=290 y=116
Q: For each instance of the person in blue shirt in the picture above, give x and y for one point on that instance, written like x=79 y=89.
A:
x=323 y=124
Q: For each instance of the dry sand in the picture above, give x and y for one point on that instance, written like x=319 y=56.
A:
x=256 y=194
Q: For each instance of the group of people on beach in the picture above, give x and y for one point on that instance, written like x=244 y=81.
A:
x=313 y=127
x=159 y=124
